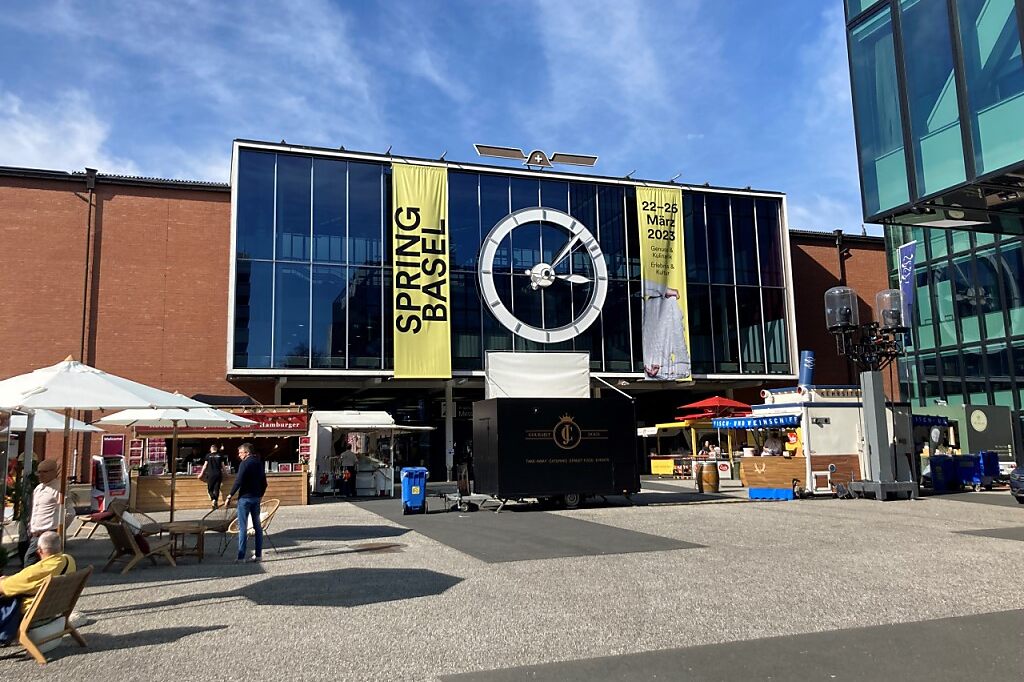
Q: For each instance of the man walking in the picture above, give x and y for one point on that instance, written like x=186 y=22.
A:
x=45 y=507
x=250 y=484
x=213 y=469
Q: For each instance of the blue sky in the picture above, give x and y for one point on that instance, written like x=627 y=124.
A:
x=735 y=93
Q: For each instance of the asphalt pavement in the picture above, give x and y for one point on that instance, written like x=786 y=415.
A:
x=687 y=588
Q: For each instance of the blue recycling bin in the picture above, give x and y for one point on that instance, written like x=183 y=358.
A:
x=944 y=474
x=968 y=468
x=414 y=490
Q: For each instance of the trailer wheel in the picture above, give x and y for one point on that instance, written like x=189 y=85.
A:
x=572 y=500
x=463 y=506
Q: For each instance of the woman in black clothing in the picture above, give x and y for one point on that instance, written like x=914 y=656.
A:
x=213 y=468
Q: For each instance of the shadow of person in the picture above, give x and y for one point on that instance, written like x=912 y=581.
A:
x=346 y=587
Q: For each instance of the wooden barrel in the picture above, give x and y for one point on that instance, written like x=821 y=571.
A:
x=709 y=478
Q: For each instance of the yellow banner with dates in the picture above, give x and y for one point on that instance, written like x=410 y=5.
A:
x=422 y=310
x=666 y=334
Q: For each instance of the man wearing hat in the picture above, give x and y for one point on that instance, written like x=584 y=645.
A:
x=45 y=507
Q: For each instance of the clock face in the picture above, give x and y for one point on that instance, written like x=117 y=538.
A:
x=979 y=420
x=561 y=271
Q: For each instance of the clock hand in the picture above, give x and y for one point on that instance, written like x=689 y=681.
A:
x=574 y=279
x=565 y=250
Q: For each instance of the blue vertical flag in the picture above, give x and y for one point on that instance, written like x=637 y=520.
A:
x=907 y=257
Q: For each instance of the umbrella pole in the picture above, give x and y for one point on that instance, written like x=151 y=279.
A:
x=174 y=461
x=64 y=476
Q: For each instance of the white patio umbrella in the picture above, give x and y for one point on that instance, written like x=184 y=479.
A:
x=47 y=420
x=43 y=420
x=195 y=418
x=69 y=386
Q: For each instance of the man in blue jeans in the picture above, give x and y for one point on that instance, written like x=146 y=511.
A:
x=250 y=484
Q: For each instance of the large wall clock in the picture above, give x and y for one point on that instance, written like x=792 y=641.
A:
x=544 y=275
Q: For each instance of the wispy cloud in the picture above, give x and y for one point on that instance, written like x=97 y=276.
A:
x=64 y=133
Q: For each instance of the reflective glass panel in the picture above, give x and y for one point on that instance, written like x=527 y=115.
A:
x=612 y=229
x=723 y=311
x=365 y=310
x=617 y=329
x=776 y=338
x=494 y=205
x=293 y=207
x=923 y=305
x=465 y=321
x=254 y=215
x=877 y=111
x=695 y=238
x=329 y=323
x=329 y=210
x=970 y=300
x=745 y=239
x=291 y=315
x=702 y=353
x=751 y=330
x=994 y=72
x=525 y=239
x=769 y=242
x=365 y=227
x=1011 y=263
x=987 y=295
x=932 y=95
x=254 y=307
x=632 y=234
x=855 y=7
x=719 y=239
x=496 y=336
x=463 y=220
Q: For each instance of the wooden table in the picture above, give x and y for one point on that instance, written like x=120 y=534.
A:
x=179 y=532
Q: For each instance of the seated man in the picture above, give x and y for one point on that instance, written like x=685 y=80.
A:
x=18 y=590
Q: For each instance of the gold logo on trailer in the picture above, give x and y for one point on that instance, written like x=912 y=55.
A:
x=567 y=433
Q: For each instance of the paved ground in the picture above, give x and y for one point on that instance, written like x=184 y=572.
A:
x=698 y=589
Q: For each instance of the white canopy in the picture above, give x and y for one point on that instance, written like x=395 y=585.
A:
x=50 y=421
x=192 y=418
x=362 y=420
x=70 y=385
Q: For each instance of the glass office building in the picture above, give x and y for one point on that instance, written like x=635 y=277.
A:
x=938 y=95
x=312 y=276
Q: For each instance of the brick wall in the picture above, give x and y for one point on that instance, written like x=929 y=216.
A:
x=158 y=286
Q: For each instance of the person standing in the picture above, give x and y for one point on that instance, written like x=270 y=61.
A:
x=213 y=468
x=18 y=591
x=45 y=507
x=250 y=484
x=349 y=459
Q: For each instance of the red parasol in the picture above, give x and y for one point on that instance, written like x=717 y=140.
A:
x=715 y=404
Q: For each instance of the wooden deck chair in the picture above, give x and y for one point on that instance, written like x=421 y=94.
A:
x=56 y=598
x=126 y=549
x=143 y=523
x=268 y=508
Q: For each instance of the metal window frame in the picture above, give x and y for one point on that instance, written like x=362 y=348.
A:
x=232 y=262
x=273 y=276
x=909 y=153
x=960 y=77
x=309 y=334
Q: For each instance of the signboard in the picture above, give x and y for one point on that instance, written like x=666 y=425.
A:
x=907 y=256
x=113 y=445
x=666 y=338
x=292 y=422
x=420 y=266
x=136 y=448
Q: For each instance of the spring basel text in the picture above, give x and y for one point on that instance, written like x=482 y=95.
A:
x=420 y=271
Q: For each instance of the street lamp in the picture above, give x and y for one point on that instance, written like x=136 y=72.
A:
x=872 y=346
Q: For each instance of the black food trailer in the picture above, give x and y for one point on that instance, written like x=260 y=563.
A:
x=557 y=449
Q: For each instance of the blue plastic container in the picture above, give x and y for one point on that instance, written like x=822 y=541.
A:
x=989 y=464
x=944 y=473
x=771 y=493
x=414 y=490
x=968 y=469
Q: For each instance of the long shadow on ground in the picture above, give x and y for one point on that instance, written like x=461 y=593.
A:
x=345 y=587
x=103 y=642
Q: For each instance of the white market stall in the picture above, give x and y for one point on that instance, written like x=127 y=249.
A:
x=370 y=434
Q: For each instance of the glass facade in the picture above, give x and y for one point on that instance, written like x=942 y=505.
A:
x=313 y=278
x=938 y=91
x=967 y=345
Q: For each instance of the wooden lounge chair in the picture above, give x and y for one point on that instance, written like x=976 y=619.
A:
x=128 y=551
x=146 y=524
x=56 y=598
x=268 y=508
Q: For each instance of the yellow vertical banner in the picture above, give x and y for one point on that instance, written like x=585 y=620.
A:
x=422 y=310
x=666 y=333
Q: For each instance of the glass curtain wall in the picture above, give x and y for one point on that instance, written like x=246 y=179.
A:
x=968 y=320
x=313 y=282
